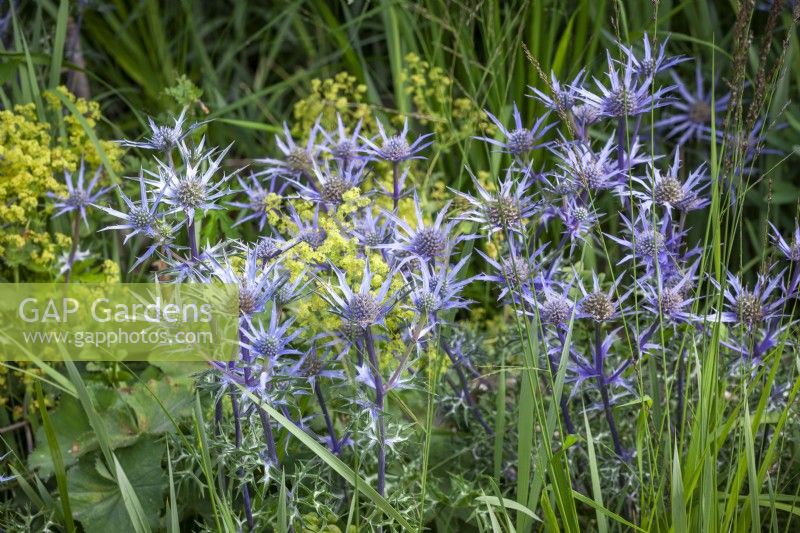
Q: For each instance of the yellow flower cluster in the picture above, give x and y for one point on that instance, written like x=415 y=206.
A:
x=341 y=94
x=34 y=155
x=431 y=90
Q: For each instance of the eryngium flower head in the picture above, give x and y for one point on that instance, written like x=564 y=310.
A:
x=502 y=210
x=626 y=95
x=514 y=273
x=437 y=289
x=650 y=64
x=272 y=342
x=671 y=299
x=587 y=169
x=259 y=199
x=791 y=249
x=343 y=146
x=164 y=138
x=362 y=309
x=297 y=160
x=256 y=285
x=599 y=305
x=667 y=191
x=372 y=231
x=80 y=195
x=312 y=367
x=140 y=218
x=690 y=115
x=330 y=184
x=564 y=97
x=645 y=240
x=308 y=231
x=396 y=148
x=520 y=141
x=750 y=308
x=192 y=188
x=577 y=218
x=551 y=301
x=422 y=241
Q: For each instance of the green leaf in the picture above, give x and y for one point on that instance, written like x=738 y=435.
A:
x=57 y=458
x=99 y=502
x=157 y=409
x=73 y=435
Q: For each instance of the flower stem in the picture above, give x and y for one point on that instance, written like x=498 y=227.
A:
x=563 y=402
x=601 y=384
x=378 y=382
x=76 y=236
x=192 y=240
x=327 y=416
x=396 y=184
x=240 y=472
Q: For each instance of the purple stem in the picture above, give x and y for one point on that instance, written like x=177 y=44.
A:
x=396 y=183
x=240 y=472
x=327 y=416
x=601 y=385
x=192 y=241
x=379 y=392
x=267 y=427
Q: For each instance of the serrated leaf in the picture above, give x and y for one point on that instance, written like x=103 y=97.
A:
x=98 y=502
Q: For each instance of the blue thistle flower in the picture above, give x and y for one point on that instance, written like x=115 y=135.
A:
x=514 y=273
x=520 y=141
x=590 y=170
x=600 y=305
x=257 y=195
x=667 y=191
x=140 y=218
x=372 y=231
x=626 y=95
x=749 y=308
x=578 y=219
x=551 y=302
x=692 y=116
x=790 y=250
x=80 y=195
x=311 y=367
x=164 y=138
x=331 y=184
x=423 y=242
x=270 y=343
x=504 y=210
x=297 y=160
x=308 y=231
x=563 y=97
x=256 y=286
x=584 y=116
x=437 y=289
x=363 y=309
x=192 y=188
x=396 y=148
x=671 y=299
x=646 y=242
x=344 y=147
x=650 y=63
